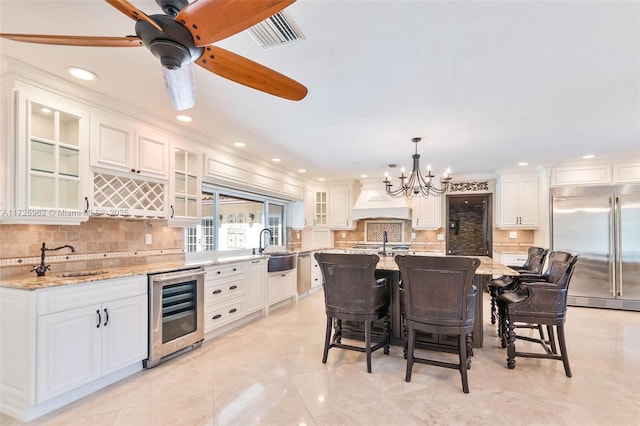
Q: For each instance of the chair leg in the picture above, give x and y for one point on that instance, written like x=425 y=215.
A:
x=469 y=341
x=502 y=329
x=493 y=309
x=385 y=328
x=327 y=339
x=552 y=340
x=411 y=338
x=337 y=337
x=563 y=350
x=462 y=343
x=367 y=342
x=511 y=345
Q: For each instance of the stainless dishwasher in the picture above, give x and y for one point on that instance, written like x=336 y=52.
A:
x=304 y=273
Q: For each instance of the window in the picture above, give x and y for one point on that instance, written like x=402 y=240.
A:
x=232 y=220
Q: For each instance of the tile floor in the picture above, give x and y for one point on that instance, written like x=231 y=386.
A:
x=270 y=372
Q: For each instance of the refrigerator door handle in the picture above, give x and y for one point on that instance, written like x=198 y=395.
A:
x=612 y=245
x=618 y=246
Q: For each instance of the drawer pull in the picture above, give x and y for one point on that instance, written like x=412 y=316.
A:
x=216 y=316
x=218 y=291
x=219 y=272
x=255 y=261
x=233 y=287
x=234 y=269
x=232 y=311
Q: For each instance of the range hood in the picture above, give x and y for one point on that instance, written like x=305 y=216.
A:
x=373 y=202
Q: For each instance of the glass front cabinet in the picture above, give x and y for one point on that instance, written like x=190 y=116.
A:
x=186 y=188
x=51 y=138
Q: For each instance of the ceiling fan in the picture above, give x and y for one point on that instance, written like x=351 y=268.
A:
x=183 y=35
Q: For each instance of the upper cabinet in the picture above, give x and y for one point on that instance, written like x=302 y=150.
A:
x=426 y=213
x=340 y=204
x=119 y=144
x=518 y=201
x=185 y=187
x=49 y=160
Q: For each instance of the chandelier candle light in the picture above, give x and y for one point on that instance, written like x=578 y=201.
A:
x=416 y=184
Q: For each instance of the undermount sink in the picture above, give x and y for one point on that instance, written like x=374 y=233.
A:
x=281 y=261
x=76 y=274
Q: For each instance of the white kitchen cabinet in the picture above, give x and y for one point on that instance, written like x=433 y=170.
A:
x=309 y=206
x=320 y=209
x=340 y=203
x=255 y=285
x=48 y=162
x=426 y=213
x=119 y=144
x=58 y=344
x=518 y=201
x=81 y=345
x=316 y=272
x=281 y=285
x=185 y=187
x=224 y=294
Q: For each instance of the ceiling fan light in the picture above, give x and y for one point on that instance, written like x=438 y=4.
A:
x=181 y=86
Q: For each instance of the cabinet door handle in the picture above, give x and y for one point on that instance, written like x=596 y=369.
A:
x=283 y=275
x=234 y=269
x=133 y=170
x=99 y=318
x=255 y=261
x=218 y=291
x=216 y=316
x=233 y=311
x=172 y=212
x=219 y=272
x=86 y=200
x=233 y=287
x=106 y=315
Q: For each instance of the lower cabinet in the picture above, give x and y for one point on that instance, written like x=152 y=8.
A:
x=255 y=285
x=232 y=291
x=78 y=346
x=60 y=344
x=281 y=285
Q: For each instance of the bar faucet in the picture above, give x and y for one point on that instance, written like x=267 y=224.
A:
x=385 y=239
x=261 y=249
x=40 y=270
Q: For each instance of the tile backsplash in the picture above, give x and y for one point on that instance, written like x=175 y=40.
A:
x=99 y=243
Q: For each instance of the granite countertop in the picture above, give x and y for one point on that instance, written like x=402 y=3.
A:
x=53 y=279
x=487 y=266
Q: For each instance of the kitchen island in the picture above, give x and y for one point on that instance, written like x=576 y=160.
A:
x=387 y=268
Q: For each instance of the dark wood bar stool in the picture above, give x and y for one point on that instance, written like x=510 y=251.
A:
x=537 y=304
x=438 y=296
x=352 y=293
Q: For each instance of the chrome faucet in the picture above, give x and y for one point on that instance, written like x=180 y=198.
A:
x=385 y=239
x=261 y=249
x=40 y=270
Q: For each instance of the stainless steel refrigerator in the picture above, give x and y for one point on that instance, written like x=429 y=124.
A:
x=603 y=225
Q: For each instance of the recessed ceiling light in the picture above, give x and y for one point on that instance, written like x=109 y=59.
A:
x=82 y=73
x=588 y=157
x=364 y=176
x=523 y=163
x=276 y=160
x=321 y=179
x=45 y=110
x=184 y=118
x=302 y=170
x=239 y=144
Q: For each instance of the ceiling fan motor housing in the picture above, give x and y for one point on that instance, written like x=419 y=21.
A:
x=174 y=45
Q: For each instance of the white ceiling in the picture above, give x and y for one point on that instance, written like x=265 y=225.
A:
x=486 y=84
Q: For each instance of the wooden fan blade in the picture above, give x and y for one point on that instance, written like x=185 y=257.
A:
x=213 y=20
x=244 y=71
x=63 y=40
x=132 y=12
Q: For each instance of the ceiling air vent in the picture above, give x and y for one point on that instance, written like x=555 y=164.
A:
x=275 y=31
